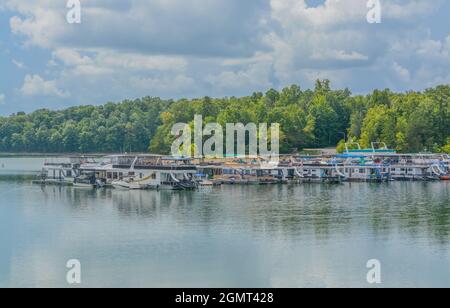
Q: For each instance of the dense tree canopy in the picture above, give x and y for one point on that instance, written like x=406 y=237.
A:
x=109 y=128
x=408 y=122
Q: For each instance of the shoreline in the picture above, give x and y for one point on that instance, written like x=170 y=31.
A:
x=325 y=151
x=24 y=155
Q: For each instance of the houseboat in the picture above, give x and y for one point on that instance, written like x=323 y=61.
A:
x=243 y=171
x=62 y=170
x=209 y=174
x=248 y=175
x=144 y=171
x=88 y=180
x=357 y=168
x=405 y=167
x=412 y=167
x=317 y=170
x=445 y=164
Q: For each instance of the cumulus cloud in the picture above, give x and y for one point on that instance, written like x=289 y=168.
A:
x=435 y=49
x=338 y=55
x=175 y=48
x=177 y=85
x=19 y=64
x=402 y=72
x=409 y=10
x=107 y=61
x=331 y=39
x=188 y=27
x=315 y=40
x=35 y=85
x=147 y=45
x=122 y=74
x=253 y=77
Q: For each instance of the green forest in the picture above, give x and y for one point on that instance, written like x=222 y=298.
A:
x=311 y=118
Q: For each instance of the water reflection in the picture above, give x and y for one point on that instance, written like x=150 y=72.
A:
x=416 y=210
x=274 y=234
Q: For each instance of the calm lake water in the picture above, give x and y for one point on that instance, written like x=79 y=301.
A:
x=308 y=235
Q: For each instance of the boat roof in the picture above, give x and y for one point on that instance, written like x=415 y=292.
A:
x=372 y=151
x=132 y=155
x=172 y=158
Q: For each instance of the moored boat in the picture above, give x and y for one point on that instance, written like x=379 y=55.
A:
x=62 y=171
x=146 y=171
x=87 y=181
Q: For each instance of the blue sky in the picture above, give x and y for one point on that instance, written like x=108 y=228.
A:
x=192 y=48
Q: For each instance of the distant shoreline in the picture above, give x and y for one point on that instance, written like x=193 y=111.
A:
x=323 y=151
x=6 y=155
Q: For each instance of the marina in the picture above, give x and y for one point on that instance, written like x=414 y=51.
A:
x=307 y=235
x=147 y=171
x=246 y=233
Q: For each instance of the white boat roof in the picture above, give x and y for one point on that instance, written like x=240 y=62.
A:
x=132 y=155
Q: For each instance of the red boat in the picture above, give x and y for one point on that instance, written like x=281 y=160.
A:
x=445 y=178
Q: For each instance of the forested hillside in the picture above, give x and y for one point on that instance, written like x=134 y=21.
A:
x=409 y=122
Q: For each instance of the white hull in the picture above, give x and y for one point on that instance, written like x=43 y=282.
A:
x=82 y=185
x=126 y=185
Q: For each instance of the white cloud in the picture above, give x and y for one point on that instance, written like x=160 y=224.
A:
x=251 y=78
x=257 y=58
x=111 y=59
x=42 y=26
x=139 y=62
x=338 y=55
x=409 y=10
x=176 y=84
x=435 y=49
x=402 y=72
x=130 y=48
x=297 y=14
x=35 y=85
x=2 y=99
x=71 y=57
x=186 y=27
x=18 y=64
x=327 y=37
x=124 y=72
x=333 y=39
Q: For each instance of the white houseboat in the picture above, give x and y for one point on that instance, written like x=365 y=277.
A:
x=62 y=170
x=405 y=167
x=144 y=171
x=316 y=169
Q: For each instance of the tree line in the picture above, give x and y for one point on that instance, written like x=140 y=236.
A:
x=311 y=118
